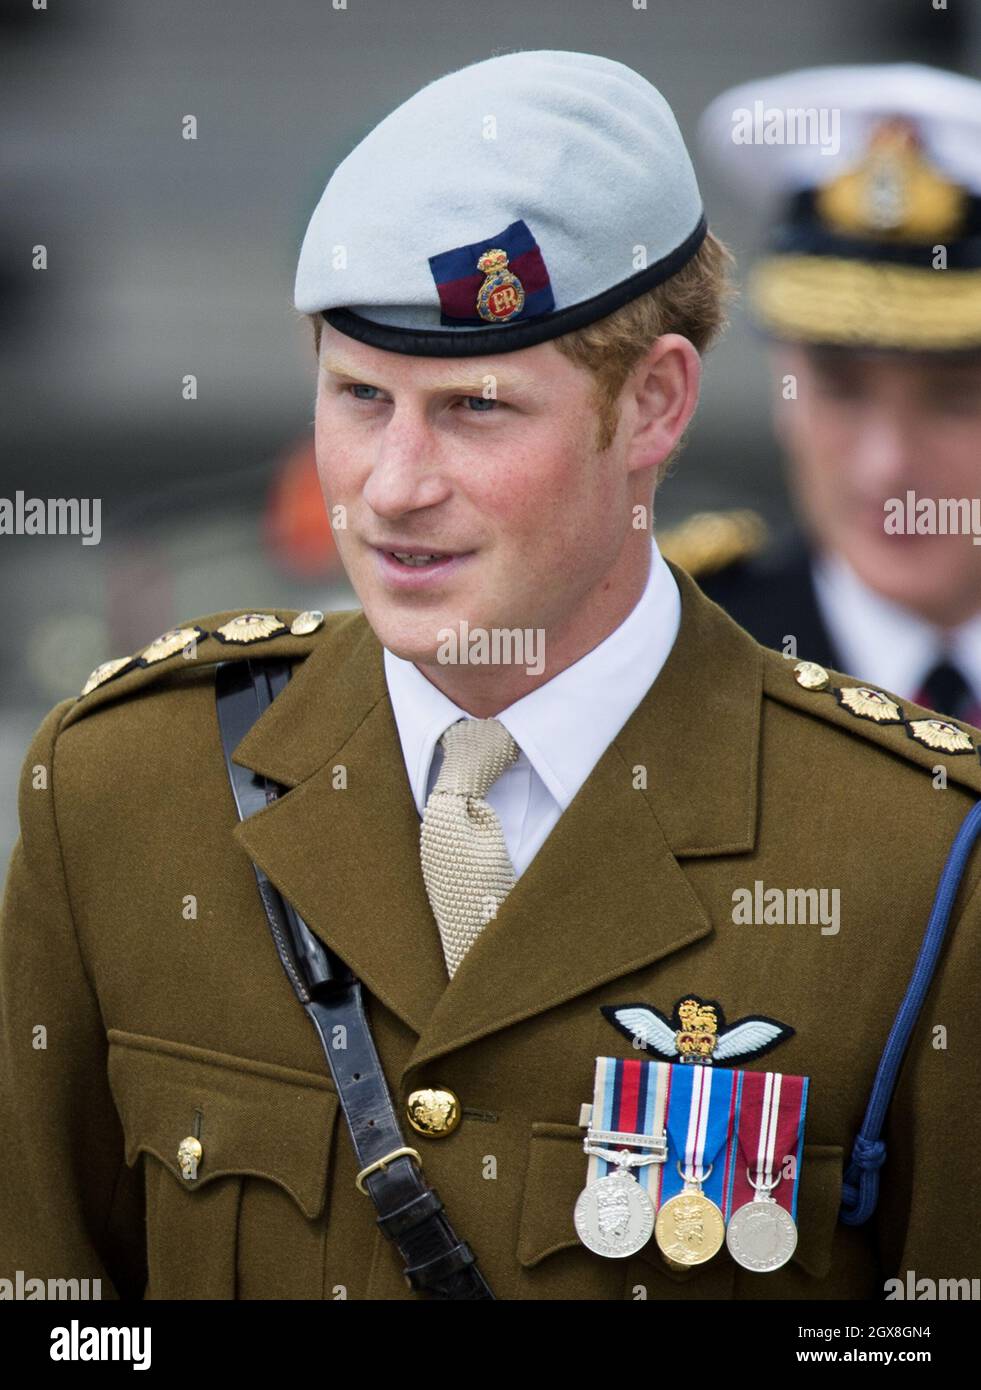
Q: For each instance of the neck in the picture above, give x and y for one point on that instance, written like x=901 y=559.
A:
x=484 y=690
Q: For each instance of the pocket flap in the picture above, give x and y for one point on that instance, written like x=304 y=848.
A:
x=254 y=1117
x=818 y=1203
x=557 y=1174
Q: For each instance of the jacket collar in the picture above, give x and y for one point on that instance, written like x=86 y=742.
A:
x=679 y=779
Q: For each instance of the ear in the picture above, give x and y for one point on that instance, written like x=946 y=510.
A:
x=663 y=389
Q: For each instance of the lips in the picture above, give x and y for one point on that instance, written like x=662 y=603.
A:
x=419 y=572
x=395 y=548
x=419 y=557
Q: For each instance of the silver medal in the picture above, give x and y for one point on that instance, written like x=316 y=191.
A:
x=761 y=1235
x=614 y=1215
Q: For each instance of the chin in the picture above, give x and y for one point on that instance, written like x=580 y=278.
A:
x=412 y=640
x=915 y=583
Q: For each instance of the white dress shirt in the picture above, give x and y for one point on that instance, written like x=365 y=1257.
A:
x=562 y=728
x=881 y=641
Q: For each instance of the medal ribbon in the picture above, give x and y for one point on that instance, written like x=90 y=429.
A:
x=630 y=1096
x=770 y=1128
x=700 y=1115
x=731 y=1119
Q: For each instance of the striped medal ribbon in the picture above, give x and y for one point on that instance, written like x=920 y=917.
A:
x=625 y=1141
x=762 y=1232
x=690 y=1227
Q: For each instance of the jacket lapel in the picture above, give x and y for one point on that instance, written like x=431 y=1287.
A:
x=603 y=896
x=343 y=845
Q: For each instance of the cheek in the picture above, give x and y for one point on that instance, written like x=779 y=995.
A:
x=954 y=460
x=337 y=457
x=528 y=489
x=819 y=443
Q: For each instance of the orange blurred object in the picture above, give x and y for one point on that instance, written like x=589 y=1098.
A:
x=296 y=528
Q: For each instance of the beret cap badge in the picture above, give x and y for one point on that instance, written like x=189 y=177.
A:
x=502 y=294
x=494 y=280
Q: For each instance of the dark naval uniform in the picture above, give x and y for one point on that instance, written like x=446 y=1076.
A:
x=768 y=588
x=772 y=596
x=873 y=247
x=142 y=1001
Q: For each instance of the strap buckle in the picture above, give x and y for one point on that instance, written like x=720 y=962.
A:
x=382 y=1163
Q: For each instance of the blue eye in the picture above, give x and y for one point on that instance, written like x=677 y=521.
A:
x=360 y=387
x=483 y=402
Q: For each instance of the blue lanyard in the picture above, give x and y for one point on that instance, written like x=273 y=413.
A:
x=860 y=1189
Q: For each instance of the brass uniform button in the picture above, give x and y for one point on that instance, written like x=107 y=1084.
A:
x=307 y=622
x=189 y=1153
x=811 y=676
x=434 y=1112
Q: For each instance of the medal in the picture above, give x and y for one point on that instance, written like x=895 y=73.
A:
x=762 y=1234
x=734 y=1140
x=690 y=1227
x=614 y=1214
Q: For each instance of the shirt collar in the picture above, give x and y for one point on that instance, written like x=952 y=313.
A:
x=874 y=634
x=564 y=726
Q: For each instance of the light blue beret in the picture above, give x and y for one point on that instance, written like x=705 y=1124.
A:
x=504 y=204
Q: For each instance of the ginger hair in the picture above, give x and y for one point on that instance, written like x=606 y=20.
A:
x=692 y=302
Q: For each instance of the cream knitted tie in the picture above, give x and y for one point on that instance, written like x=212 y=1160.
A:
x=465 y=861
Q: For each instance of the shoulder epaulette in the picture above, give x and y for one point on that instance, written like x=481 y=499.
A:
x=709 y=541
x=224 y=636
x=901 y=727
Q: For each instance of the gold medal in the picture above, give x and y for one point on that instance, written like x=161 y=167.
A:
x=689 y=1228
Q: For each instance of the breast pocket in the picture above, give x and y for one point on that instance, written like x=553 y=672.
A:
x=558 y=1265
x=251 y=1221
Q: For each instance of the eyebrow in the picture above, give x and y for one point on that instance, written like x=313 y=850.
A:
x=462 y=382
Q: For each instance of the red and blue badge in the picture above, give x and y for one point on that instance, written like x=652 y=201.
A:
x=497 y=280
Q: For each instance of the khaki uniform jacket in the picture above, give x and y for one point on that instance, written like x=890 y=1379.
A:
x=133 y=936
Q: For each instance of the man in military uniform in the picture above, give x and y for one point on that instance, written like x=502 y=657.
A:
x=530 y=862
x=870 y=293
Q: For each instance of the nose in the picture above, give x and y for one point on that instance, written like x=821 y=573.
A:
x=885 y=452
x=405 y=474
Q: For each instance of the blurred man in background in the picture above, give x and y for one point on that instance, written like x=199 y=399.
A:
x=871 y=296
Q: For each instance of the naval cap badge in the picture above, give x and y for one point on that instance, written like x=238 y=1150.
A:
x=697 y=1031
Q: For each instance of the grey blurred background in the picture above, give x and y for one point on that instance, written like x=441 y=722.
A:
x=169 y=257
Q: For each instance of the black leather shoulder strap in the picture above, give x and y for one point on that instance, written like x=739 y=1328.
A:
x=437 y=1262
